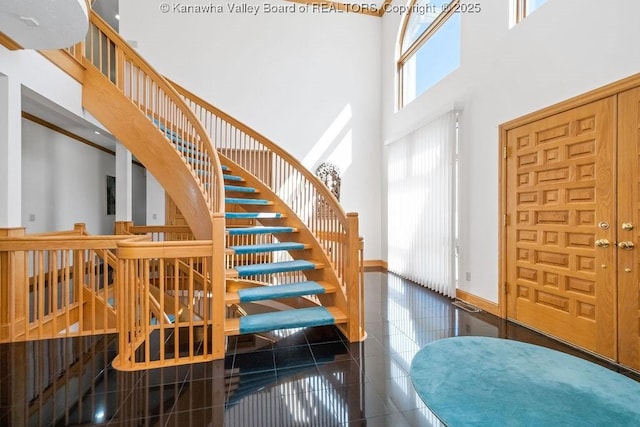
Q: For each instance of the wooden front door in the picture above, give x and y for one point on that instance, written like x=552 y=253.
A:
x=628 y=228
x=560 y=198
x=573 y=226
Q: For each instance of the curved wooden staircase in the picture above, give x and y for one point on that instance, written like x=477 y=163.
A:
x=271 y=248
x=296 y=266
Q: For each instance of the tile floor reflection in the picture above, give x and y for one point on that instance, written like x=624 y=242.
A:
x=310 y=377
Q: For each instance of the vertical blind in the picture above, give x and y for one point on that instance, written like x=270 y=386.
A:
x=421 y=205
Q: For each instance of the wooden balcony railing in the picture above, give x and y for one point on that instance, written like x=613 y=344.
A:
x=173 y=312
x=57 y=285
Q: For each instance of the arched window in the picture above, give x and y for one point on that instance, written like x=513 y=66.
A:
x=429 y=46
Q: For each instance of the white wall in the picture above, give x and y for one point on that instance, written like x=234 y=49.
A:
x=63 y=182
x=288 y=75
x=32 y=70
x=563 y=49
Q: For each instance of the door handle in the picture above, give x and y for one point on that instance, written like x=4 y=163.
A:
x=602 y=243
x=626 y=246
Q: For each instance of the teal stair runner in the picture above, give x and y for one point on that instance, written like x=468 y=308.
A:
x=259 y=230
x=300 y=318
x=289 y=290
x=241 y=201
x=267 y=247
x=232 y=177
x=274 y=267
x=252 y=215
x=285 y=319
x=239 y=189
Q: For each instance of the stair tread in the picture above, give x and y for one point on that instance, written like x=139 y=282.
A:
x=289 y=290
x=253 y=215
x=233 y=294
x=295 y=318
x=276 y=267
x=268 y=247
x=260 y=229
x=243 y=201
x=232 y=177
x=240 y=189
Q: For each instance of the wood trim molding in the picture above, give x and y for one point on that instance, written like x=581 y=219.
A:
x=71 y=135
x=375 y=265
x=502 y=221
x=571 y=103
x=8 y=42
x=383 y=8
x=481 y=303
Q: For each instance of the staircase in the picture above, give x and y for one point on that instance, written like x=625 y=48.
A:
x=290 y=266
x=273 y=250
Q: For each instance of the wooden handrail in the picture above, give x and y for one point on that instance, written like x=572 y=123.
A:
x=52 y=282
x=298 y=190
x=273 y=147
x=159 y=101
x=160 y=288
x=297 y=187
x=50 y=243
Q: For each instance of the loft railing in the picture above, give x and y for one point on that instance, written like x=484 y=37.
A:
x=57 y=285
x=163 y=233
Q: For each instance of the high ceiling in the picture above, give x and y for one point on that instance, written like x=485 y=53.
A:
x=44 y=24
x=54 y=24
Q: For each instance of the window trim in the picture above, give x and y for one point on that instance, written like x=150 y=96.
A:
x=520 y=10
x=404 y=56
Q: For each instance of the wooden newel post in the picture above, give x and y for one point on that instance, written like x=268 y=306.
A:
x=218 y=282
x=354 y=286
x=122 y=227
x=14 y=289
x=80 y=228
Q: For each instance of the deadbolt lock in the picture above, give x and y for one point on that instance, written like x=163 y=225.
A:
x=604 y=225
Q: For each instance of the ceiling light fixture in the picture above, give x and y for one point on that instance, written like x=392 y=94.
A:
x=29 y=21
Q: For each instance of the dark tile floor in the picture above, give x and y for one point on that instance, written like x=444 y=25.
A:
x=307 y=377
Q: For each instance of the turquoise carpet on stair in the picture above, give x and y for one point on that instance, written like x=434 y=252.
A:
x=274 y=267
x=479 y=381
x=300 y=318
x=239 y=189
x=231 y=177
x=252 y=215
x=240 y=201
x=258 y=230
x=262 y=293
x=267 y=247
